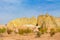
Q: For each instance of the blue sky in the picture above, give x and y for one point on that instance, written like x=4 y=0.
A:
x=12 y=9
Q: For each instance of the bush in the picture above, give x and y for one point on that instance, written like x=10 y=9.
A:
x=38 y=34
x=24 y=31
x=2 y=30
x=9 y=31
x=20 y=31
x=27 y=30
x=52 y=32
x=58 y=29
x=43 y=30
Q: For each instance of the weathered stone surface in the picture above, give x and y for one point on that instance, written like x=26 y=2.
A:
x=22 y=21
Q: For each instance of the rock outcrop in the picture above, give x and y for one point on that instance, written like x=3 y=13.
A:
x=45 y=20
x=18 y=23
x=48 y=21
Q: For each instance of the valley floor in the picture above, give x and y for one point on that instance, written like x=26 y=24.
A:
x=29 y=37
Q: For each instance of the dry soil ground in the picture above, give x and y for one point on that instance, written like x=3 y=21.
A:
x=29 y=37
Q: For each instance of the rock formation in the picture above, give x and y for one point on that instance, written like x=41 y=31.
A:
x=48 y=21
x=45 y=20
x=18 y=23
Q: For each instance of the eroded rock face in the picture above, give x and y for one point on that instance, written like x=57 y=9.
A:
x=48 y=21
x=58 y=21
x=22 y=21
x=45 y=20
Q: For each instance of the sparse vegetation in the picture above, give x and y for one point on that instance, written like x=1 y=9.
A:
x=9 y=31
x=20 y=31
x=28 y=30
x=52 y=32
x=42 y=30
x=38 y=34
x=24 y=31
x=58 y=29
x=2 y=30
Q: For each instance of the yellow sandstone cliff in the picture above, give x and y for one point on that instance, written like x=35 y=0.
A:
x=47 y=21
x=22 y=21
